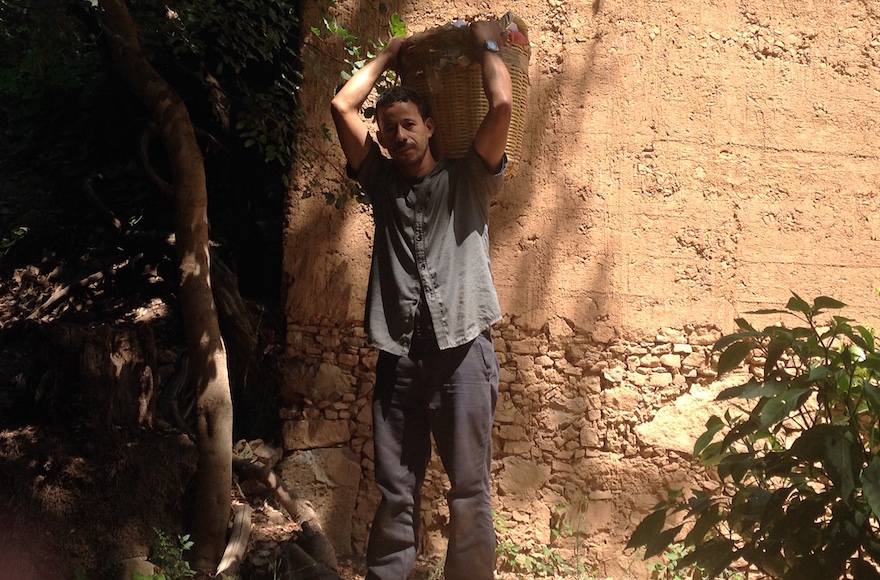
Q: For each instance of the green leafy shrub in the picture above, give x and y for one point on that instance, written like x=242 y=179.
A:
x=798 y=462
x=245 y=57
x=168 y=557
x=357 y=52
x=47 y=88
x=668 y=567
x=540 y=561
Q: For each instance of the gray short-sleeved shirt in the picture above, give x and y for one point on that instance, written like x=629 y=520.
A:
x=432 y=235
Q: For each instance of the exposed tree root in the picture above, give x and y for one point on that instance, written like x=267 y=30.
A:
x=238 y=541
x=310 y=556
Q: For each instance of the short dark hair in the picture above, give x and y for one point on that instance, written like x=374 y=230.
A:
x=399 y=94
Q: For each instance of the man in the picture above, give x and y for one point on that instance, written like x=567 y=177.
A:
x=430 y=307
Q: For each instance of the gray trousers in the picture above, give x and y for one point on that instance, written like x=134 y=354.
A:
x=451 y=394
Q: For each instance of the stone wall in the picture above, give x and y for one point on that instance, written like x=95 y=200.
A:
x=589 y=428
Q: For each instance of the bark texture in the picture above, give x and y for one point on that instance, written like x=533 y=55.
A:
x=206 y=350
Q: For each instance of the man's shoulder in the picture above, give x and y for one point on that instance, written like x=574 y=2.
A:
x=473 y=166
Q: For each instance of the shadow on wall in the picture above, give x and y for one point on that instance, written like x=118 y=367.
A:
x=312 y=259
x=532 y=237
x=318 y=247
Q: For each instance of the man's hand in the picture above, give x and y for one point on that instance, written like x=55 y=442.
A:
x=346 y=105
x=484 y=30
x=393 y=50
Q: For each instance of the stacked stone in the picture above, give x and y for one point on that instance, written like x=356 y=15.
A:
x=565 y=428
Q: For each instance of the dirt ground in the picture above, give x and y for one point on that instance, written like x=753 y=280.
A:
x=74 y=497
x=78 y=496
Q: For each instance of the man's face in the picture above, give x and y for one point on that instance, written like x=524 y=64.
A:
x=406 y=136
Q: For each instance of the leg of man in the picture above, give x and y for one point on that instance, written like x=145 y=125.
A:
x=402 y=448
x=462 y=427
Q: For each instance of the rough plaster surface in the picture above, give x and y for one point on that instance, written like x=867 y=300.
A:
x=684 y=163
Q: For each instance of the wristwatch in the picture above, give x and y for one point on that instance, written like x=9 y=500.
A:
x=491 y=45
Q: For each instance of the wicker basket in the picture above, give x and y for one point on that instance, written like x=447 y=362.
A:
x=443 y=65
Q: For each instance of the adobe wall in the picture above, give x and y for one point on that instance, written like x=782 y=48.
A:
x=684 y=163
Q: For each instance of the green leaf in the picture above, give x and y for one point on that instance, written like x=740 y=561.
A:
x=772 y=385
x=842 y=327
x=798 y=304
x=774 y=510
x=845 y=533
x=754 y=389
x=872 y=394
x=779 y=407
x=733 y=355
x=801 y=332
x=713 y=426
x=731 y=393
x=704 y=524
x=831 y=445
x=871 y=485
x=872 y=547
x=397 y=26
x=728 y=339
x=713 y=556
x=747 y=508
x=811 y=567
x=818 y=373
x=843 y=461
x=872 y=363
x=774 y=351
x=712 y=454
x=743 y=430
x=867 y=336
x=735 y=466
x=776 y=463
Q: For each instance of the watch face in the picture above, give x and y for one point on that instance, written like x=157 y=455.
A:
x=492 y=45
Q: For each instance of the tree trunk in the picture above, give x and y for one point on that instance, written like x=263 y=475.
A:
x=206 y=350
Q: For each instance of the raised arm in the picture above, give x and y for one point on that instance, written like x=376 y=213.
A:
x=491 y=138
x=346 y=105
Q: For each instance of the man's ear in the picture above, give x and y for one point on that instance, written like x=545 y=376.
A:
x=429 y=123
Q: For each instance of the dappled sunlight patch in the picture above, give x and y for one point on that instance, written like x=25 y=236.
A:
x=154 y=309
